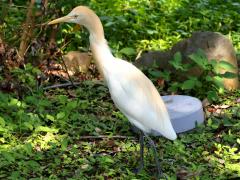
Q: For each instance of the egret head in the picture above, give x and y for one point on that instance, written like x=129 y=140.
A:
x=80 y=15
x=86 y=17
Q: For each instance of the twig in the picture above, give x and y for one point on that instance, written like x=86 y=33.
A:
x=62 y=85
x=107 y=137
x=12 y=5
x=69 y=77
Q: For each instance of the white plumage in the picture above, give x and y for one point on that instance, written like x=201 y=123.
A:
x=135 y=95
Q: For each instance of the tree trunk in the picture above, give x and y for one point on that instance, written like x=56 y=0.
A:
x=27 y=31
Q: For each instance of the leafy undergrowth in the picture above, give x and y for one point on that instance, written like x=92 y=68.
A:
x=79 y=134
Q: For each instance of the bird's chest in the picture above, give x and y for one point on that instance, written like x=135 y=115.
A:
x=121 y=96
x=117 y=92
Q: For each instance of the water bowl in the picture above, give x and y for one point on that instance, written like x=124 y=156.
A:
x=185 y=112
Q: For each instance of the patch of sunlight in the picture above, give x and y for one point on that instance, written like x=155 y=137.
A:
x=233 y=167
x=129 y=146
x=158 y=44
x=226 y=156
x=45 y=141
x=16 y=102
x=235 y=37
x=171 y=5
x=130 y=4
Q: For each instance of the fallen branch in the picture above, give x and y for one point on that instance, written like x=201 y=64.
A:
x=62 y=85
x=107 y=137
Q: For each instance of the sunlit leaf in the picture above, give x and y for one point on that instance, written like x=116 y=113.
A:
x=61 y=115
x=128 y=51
x=2 y=122
x=50 y=117
x=226 y=65
x=45 y=129
x=218 y=81
x=28 y=125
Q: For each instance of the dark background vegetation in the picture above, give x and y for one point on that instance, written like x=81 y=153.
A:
x=76 y=132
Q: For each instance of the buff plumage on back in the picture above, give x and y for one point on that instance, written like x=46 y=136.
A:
x=135 y=95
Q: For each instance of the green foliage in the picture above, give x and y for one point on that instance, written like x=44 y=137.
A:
x=45 y=130
x=27 y=75
x=177 y=63
x=208 y=84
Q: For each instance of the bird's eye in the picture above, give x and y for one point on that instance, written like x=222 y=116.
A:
x=75 y=16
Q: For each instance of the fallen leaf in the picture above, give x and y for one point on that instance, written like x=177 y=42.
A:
x=211 y=109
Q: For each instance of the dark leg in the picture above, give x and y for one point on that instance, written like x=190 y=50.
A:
x=141 y=141
x=151 y=143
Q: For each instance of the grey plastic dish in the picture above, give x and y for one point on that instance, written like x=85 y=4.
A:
x=185 y=112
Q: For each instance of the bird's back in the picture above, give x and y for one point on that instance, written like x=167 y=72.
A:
x=136 y=96
x=132 y=92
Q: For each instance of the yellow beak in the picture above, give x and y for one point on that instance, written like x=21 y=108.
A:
x=61 y=19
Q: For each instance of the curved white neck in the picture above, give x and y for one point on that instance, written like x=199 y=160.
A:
x=95 y=28
x=100 y=50
x=102 y=56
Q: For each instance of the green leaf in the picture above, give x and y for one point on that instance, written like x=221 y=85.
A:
x=228 y=75
x=62 y=99
x=28 y=125
x=212 y=95
x=61 y=115
x=106 y=160
x=165 y=75
x=84 y=104
x=213 y=62
x=71 y=105
x=50 y=117
x=154 y=73
x=8 y=156
x=225 y=65
x=64 y=144
x=45 y=129
x=16 y=175
x=33 y=164
x=128 y=51
x=218 y=81
x=28 y=148
x=2 y=129
x=188 y=84
x=175 y=86
x=200 y=59
x=110 y=23
x=2 y=122
x=209 y=78
x=15 y=102
x=227 y=122
x=176 y=62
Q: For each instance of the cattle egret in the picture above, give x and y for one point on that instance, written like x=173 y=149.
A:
x=131 y=91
